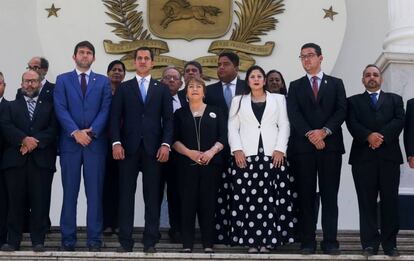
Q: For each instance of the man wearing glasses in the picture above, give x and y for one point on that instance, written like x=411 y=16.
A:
x=41 y=65
x=29 y=127
x=316 y=108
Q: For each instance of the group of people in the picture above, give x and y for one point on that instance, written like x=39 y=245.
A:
x=244 y=157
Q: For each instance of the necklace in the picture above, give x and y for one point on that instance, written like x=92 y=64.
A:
x=199 y=112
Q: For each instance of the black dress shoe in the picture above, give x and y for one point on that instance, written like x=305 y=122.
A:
x=39 y=248
x=150 y=250
x=307 y=251
x=66 y=248
x=369 y=251
x=332 y=251
x=393 y=252
x=8 y=248
x=122 y=249
x=94 y=249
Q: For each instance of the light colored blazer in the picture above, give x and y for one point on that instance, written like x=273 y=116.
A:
x=244 y=130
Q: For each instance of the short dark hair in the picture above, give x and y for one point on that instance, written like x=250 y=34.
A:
x=113 y=63
x=371 y=65
x=233 y=57
x=86 y=44
x=250 y=70
x=316 y=47
x=44 y=63
x=282 y=90
x=195 y=64
x=144 y=48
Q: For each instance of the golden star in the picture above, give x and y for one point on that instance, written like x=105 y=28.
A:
x=52 y=11
x=329 y=13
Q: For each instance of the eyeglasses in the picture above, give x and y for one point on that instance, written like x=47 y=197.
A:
x=34 y=68
x=168 y=78
x=30 y=81
x=307 y=56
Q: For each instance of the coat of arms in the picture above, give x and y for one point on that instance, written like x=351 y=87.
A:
x=192 y=19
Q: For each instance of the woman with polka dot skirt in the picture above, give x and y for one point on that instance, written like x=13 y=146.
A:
x=261 y=211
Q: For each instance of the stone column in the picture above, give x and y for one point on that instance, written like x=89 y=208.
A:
x=397 y=65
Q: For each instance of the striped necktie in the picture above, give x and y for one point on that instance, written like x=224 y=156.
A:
x=31 y=105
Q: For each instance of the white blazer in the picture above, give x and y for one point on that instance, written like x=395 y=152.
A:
x=244 y=130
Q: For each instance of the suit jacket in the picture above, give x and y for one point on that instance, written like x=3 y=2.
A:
x=305 y=114
x=215 y=94
x=16 y=125
x=46 y=94
x=133 y=122
x=409 y=129
x=3 y=109
x=76 y=112
x=182 y=96
x=245 y=130
x=213 y=128
x=387 y=118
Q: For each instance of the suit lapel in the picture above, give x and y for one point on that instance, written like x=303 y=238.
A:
x=25 y=110
x=91 y=83
x=248 y=105
x=322 y=88
x=308 y=88
x=240 y=86
x=381 y=99
x=38 y=109
x=135 y=89
x=76 y=84
x=367 y=99
x=151 y=89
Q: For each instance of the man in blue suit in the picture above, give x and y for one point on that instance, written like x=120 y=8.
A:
x=82 y=101
x=142 y=132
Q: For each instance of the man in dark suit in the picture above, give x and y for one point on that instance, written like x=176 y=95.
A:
x=29 y=128
x=82 y=101
x=409 y=133
x=172 y=78
x=316 y=109
x=142 y=132
x=3 y=192
x=375 y=121
x=221 y=93
x=41 y=65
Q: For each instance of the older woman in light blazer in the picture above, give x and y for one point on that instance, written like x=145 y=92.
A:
x=258 y=133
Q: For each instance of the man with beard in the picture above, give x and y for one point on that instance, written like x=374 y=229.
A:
x=375 y=121
x=29 y=128
x=82 y=101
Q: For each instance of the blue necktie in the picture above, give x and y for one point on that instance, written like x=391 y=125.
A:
x=227 y=94
x=374 y=99
x=142 y=89
x=31 y=105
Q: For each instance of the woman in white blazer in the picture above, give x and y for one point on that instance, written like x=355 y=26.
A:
x=258 y=133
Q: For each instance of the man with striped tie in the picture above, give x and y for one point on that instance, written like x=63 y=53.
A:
x=29 y=127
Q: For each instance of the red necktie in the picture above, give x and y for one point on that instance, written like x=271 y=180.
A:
x=83 y=83
x=315 y=86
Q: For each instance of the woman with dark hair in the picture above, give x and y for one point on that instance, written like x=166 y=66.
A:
x=200 y=134
x=275 y=83
x=116 y=74
x=258 y=133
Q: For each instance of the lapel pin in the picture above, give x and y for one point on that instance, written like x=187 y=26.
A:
x=326 y=82
x=40 y=101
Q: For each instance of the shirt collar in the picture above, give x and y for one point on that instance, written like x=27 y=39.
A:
x=377 y=92
x=28 y=98
x=319 y=75
x=88 y=72
x=233 y=83
x=147 y=78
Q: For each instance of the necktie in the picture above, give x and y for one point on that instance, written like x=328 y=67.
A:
x=315 y=86
x=227 y=94
x=142 y=89
x=31 y=105
x=374 y=99
x=83 y=83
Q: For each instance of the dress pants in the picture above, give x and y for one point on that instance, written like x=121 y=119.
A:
x=170 y=178
x=198 y=191
x=3 y=209
x=110 y=193
x=371 y=178
x=326 y=168
x=93 y=177
x=151 y=179
x=32 y=182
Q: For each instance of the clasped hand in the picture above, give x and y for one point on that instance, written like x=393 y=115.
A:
x=83 y=137
x=375 y=140
x=201 y=158
x=28 y=145
x=316 y=137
